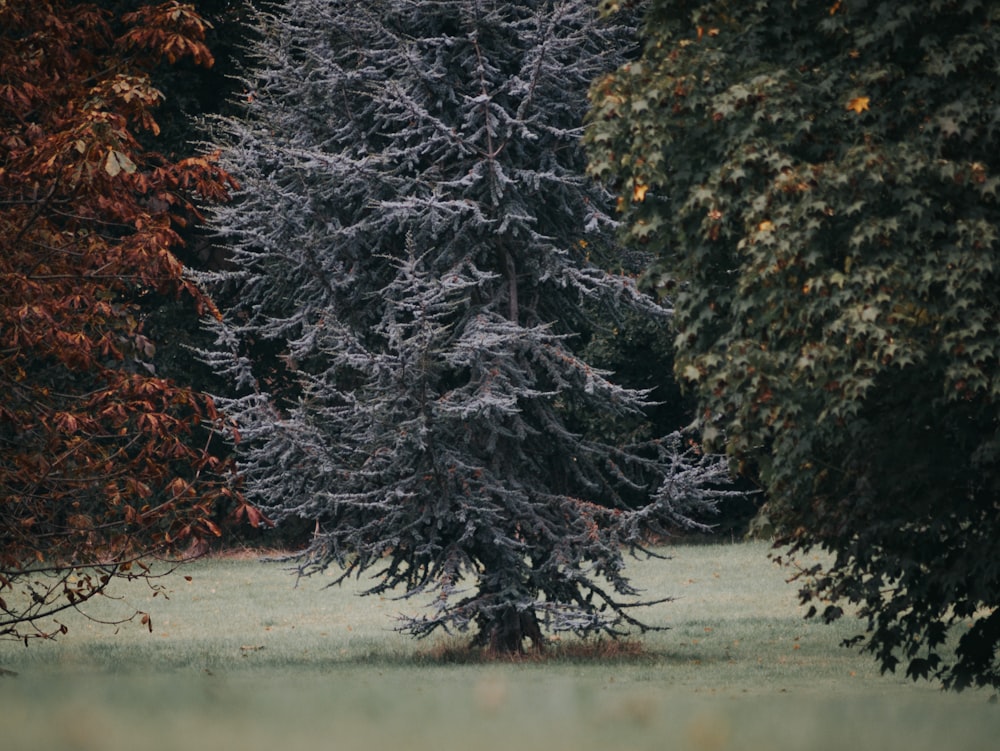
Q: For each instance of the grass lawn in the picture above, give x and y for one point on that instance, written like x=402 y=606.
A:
x=241 y=658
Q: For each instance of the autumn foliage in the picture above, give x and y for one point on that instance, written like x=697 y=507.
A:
x=102 y=463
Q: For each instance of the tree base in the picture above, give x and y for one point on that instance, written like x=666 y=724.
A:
x=507 y=633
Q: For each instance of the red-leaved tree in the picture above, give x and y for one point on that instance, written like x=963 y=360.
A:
x=102 y=463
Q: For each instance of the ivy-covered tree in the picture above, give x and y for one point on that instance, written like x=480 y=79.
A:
x=820 y=182
x=409 y=251
x=103 y=462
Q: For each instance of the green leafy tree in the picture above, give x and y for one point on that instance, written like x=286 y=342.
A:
x=409 y=257
x=820 y=184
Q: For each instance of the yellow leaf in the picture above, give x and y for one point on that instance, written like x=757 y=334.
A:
x=859 y=104
x=639 y=193
x=766 y=226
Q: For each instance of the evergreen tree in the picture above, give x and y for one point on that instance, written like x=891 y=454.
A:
x=409 y=268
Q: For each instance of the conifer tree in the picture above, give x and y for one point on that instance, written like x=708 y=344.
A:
x=409 y=270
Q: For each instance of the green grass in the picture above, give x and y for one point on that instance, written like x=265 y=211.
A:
x=241 y=658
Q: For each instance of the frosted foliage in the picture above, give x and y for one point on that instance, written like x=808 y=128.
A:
x=408 y=279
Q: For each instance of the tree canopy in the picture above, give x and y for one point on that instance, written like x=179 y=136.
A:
x=820 y=184
x=102 y=462
x=410 y=275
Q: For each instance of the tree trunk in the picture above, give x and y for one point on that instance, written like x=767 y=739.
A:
x=506 y=633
